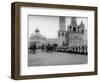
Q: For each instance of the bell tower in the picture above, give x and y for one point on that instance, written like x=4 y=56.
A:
x=62 y=31
x=73 y=21
x=62 y=23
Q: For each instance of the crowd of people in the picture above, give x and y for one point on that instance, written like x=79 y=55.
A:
x=54 y=47
x=43 y=47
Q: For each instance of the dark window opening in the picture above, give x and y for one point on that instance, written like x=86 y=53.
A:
x=82 y=31
x=74 y=29
x=62 y=34
x=78 y=28
x=70 y=28
x=59 y=34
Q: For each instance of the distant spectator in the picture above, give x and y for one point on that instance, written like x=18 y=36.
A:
x=34 y=47
x=42 y=47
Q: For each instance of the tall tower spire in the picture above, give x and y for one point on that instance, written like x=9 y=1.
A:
x=62 y=25
x=73 y=21
x=62 y=31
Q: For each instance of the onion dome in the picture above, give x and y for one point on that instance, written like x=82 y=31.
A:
x=37 y=30
x=82 y=25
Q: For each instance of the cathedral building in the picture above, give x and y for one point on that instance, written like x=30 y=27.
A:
x=40 y=40
x=74 y=39
x=76 y=36
x=37 y=38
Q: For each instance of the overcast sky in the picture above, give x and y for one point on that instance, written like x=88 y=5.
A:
x=49 y=25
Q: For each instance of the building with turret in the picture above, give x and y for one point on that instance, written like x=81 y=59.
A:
x=37 y=38
x=62 y=31
x=76 y=36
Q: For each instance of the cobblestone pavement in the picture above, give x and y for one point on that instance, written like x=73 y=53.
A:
x=41 y=58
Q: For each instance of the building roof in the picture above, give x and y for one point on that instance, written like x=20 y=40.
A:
x=33 y=37
x=37 y=30
x=73 y=21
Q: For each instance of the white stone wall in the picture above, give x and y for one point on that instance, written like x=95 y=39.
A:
x=76 y=39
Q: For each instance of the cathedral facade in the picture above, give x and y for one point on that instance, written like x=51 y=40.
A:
x=75 y=37
x=40 y=40
x=37 y=38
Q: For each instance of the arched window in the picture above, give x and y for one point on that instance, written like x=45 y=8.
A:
x=82 y=31
x=59 y=34
x=70 y=28
x=74 y=29
x=62 y=34
x=78 y=28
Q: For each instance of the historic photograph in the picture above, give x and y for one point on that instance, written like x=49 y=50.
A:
x=57 y=40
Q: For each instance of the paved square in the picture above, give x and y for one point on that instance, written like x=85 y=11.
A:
x=41 y=58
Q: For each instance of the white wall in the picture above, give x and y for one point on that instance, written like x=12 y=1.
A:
x=5 y=40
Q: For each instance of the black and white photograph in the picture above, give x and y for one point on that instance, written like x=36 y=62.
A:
x=53 y=40
x=57 y=40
